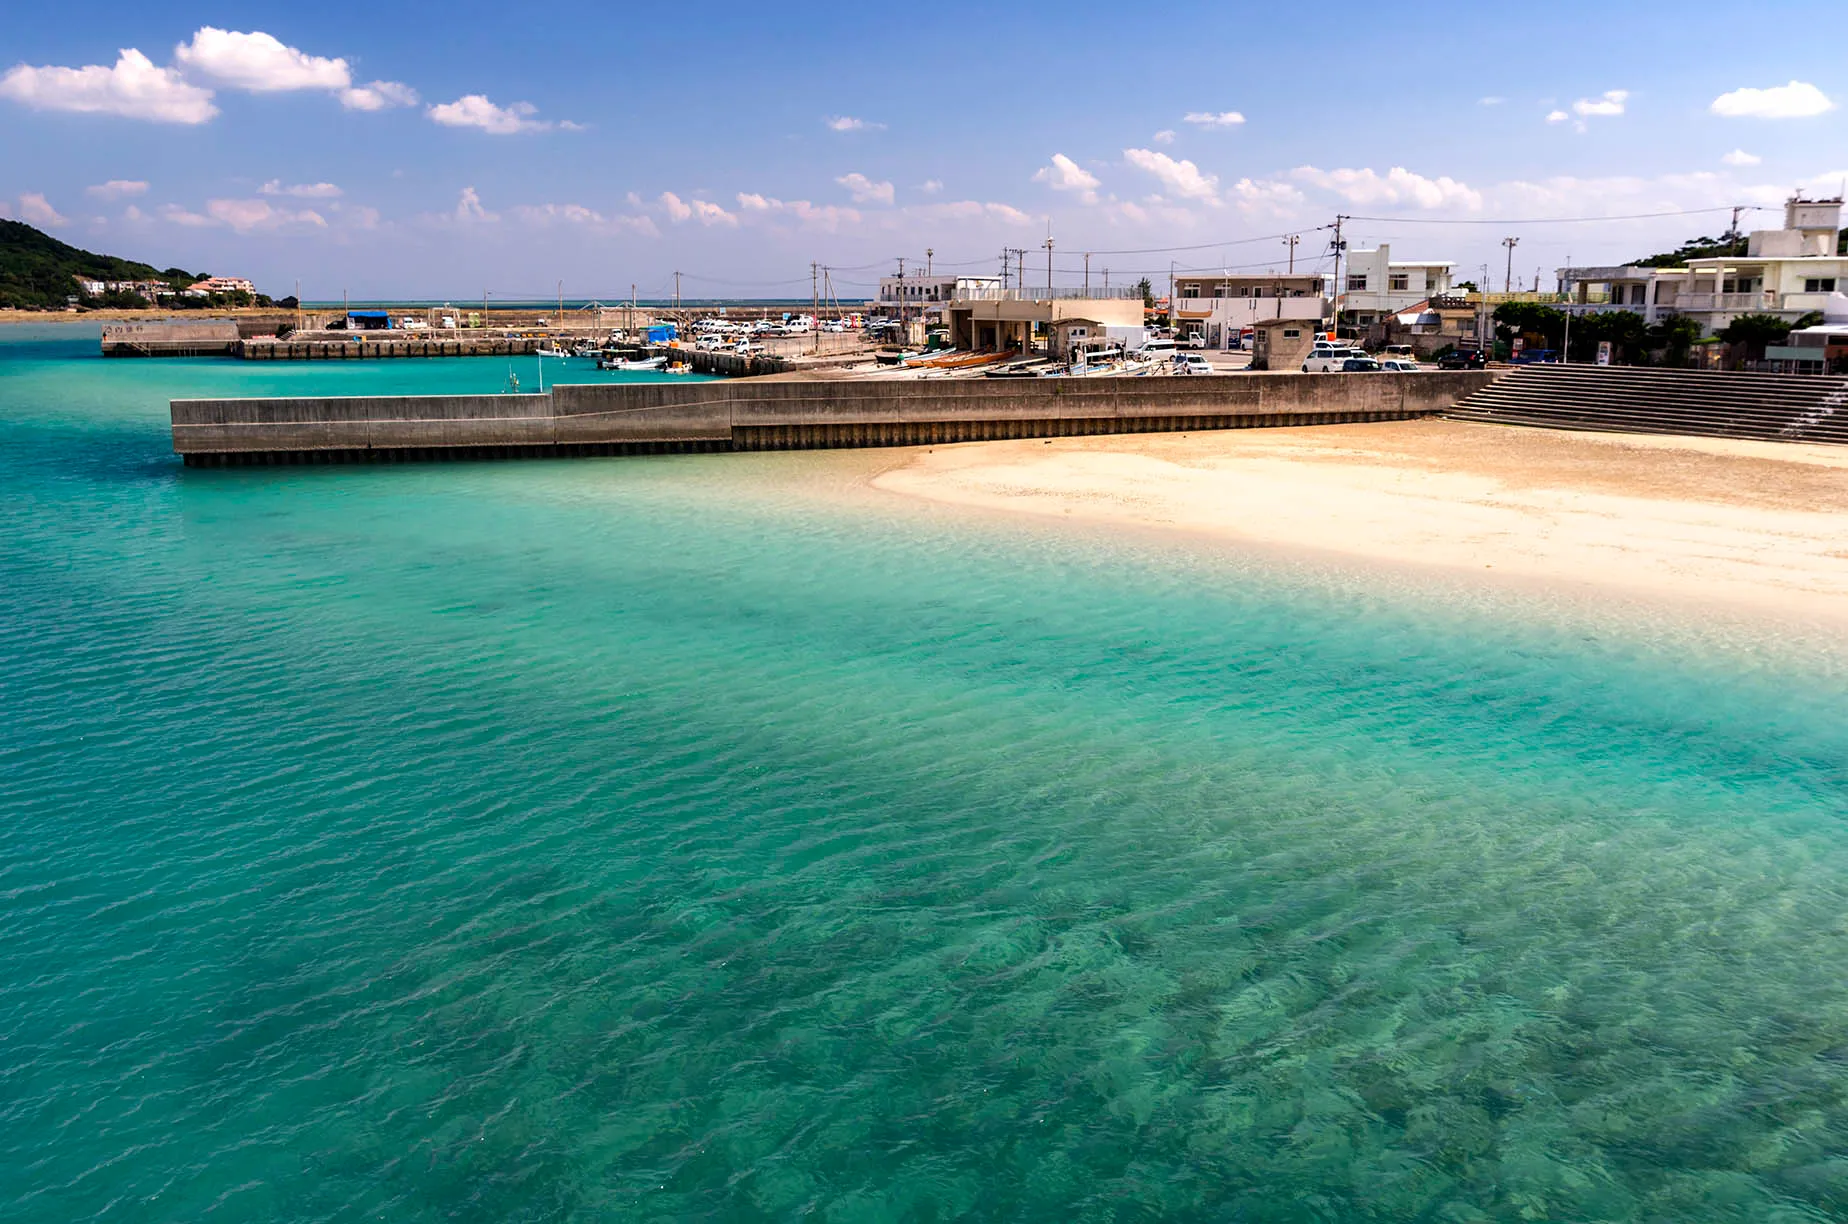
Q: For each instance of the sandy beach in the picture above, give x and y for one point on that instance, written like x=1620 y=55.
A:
x=1746 y=523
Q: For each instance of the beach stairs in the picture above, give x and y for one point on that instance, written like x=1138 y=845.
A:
x=1706 y=403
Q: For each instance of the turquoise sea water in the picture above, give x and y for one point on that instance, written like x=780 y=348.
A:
x=706 y=837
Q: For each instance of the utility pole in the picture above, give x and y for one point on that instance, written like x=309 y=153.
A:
x=298 y=304
x=1087 y=274
x=1565 y=346
x=1106 y=282
x=1291 y=242
x=560 y=320
x=1508 y=274
x=1339 y=247
x=484 y=309
x=1049 y=265
x=1482 y=314
x=1171 y=296
x=901 y=297
x=929 y=255
x=1004 y=269
x=1020 y=267
x=815 y=306
x=678 y=320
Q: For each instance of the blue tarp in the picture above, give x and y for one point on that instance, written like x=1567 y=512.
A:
x=663 y=333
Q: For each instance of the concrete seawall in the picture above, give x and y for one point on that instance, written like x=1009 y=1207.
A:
x=776 y=415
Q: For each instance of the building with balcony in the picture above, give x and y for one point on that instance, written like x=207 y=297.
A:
x=222 y=284
x=914 y=293
x=1222 y=307
x=991 y=318
x=1374 y=285
x=1787 y=272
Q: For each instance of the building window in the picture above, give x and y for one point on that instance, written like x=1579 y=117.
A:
x=1190 y=291
x=1357 y=284
x=1399 y=282
x=1292 y=333
x=1819 y=284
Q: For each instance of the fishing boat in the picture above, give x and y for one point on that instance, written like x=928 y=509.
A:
x=546 y=350
x=640 y=363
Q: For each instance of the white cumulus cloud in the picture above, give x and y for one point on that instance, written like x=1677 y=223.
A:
x=1739 y=157
x=931 y=186
x=1165 y=136
x=469 y=207
x=257 y=62
x=246 y=215
x=677 y=209
x=709 y=213
x=134 y=88
x=1557 y=116
x=1797 y=100
x=1398 y=186
x=1064 y=174
x=847 y=123
x=35 y=209
x=1213 y=118
x=474 y=110
x=378 y=95
x=116 y=189
x=301 y=191
x=865 y=190
x=1182 y=177
x=1607 y=104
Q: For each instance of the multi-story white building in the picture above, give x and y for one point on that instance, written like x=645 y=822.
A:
x=1221 y=307
x=1787 y=272
x=919 y=291
x=223 y=284
x=1373 y=285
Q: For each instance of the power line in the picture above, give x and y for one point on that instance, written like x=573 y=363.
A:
x=1679 y=212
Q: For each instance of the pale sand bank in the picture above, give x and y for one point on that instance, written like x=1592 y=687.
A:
x=1743 y=522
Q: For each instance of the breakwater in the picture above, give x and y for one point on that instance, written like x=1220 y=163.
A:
x=777 y=415
x=362 y=346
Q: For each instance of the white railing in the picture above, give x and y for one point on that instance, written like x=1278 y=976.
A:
x=1043 y=294
x=1725 y=301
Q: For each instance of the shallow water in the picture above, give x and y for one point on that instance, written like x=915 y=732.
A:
x=706 y=837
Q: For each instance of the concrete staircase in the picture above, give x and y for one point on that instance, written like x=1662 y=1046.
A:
x=1621 y=399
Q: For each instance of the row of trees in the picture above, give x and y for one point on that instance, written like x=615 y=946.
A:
x=1634 y=341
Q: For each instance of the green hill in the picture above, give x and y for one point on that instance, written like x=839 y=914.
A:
x=39 y=272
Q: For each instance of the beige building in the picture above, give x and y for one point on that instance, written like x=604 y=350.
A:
x=1221 y=307
x=1281 y=344
x=993 y=319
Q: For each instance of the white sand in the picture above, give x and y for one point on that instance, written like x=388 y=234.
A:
x=1740 y=522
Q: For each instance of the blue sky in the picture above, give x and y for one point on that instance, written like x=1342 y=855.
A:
x=422 y=150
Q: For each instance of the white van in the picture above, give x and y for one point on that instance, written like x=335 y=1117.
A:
x=1159 y=350
x=1327 y=360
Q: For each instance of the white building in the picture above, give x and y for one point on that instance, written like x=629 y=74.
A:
x=918 y=291
x=992 y=318
x=1786 y=272
x=1373 y=285
x=1222 y=307
x=223 y=284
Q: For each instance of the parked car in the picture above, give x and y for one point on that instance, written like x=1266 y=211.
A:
x=1158 y=349
x=1191 y=363
x=1402 y=352
x=1399 y=365
x=1326 y=360
x=1462 y=359
x=1194 y=340
x=1360 y=365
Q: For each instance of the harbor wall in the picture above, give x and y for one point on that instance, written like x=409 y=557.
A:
x=170 y=338
x=787 y=414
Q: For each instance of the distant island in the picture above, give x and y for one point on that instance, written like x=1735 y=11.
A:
x=37 y=272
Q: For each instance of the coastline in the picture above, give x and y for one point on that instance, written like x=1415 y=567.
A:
x=1754 y=526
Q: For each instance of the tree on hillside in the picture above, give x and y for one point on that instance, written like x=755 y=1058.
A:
x=1694 y=248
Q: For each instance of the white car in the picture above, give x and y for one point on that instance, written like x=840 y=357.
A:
x=1191 y=363
x=1325 y=360
x=1158 y=350
x=1398 y=365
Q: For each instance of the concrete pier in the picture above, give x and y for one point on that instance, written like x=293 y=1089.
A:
x=780 y=415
